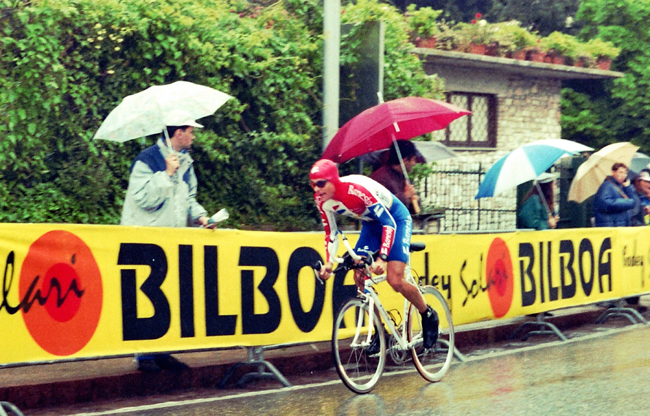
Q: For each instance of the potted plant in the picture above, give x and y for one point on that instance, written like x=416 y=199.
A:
x=422 y=25
x=448 y=37
x=536 y=53
x=559 y=46
x=603 y=52
x=474 y=36
x=583 y=57
x=513 y=39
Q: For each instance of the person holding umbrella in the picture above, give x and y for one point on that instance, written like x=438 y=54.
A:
x=537 y=208
x=162 y=192
x=615 y=199
x=163 y=186
x=392 y=176
x=386 y=229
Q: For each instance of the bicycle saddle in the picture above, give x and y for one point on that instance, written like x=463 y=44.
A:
x=417 y=246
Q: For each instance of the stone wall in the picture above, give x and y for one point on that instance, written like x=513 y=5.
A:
x=528 y=110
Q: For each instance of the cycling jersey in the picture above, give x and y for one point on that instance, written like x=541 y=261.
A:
x=362 y=198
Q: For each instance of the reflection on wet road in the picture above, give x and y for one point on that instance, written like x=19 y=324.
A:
x=603 y=374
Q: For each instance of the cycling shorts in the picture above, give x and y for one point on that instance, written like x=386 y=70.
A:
x=370 y=237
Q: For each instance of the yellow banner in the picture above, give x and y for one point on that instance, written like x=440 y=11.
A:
x=86 y=291
x=491 y=276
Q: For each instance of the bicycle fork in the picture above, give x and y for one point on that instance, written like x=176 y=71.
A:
x=371 y=315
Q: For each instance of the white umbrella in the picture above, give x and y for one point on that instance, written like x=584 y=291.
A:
x=433 y=151
x=142 y=114
x=591 y=174
x=430 y=151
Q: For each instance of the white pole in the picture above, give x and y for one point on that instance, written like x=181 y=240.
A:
x=331 y=67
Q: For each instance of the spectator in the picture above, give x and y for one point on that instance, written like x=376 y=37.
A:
x=162 y=186
x=391 y=174
x=537 y=209
x=162 y=192
x=614 y=199
x=641 y=212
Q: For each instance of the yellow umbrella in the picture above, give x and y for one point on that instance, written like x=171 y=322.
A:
x=592 y=173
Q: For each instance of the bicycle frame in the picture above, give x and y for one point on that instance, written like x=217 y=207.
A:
x=357 y=359
x=372 y=298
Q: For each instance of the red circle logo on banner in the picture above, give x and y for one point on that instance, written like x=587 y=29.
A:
x=500 y=280
x=61 y=286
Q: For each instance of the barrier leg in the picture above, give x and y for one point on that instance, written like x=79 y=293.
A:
x=620 y=310
x=255 y=359
x=544 y=328
x=8 y=409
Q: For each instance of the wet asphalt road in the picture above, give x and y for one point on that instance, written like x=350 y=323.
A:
x=604 y=373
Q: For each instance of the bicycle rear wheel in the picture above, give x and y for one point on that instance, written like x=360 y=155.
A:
x=433 y=363
x=359 y=361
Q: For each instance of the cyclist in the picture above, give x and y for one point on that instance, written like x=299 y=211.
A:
x=386 y=229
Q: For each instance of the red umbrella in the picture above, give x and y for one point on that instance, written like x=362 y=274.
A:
x=377 y=127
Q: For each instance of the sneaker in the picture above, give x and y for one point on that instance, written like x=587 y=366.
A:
x=430 y=327
x=147 y=364
x=154 y=363
x=167 y=362
x=374 y=346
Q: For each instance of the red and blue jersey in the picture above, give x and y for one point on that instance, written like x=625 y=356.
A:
x=362 y=198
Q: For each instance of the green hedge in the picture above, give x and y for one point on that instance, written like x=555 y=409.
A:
x=67 y=63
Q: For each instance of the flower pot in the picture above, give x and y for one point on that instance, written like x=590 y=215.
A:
x=535 y=56
x=558 y=59
x=520 y=55
x=429 y=43
x=477 y=49
x=583 y=62
x=492 y=49
x=604 y=63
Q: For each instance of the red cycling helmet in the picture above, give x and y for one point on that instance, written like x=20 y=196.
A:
x=324 y=169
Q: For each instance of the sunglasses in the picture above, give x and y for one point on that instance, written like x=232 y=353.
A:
x=318 y=184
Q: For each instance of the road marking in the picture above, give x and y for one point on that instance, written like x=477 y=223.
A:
x=205 y=400
x=143 y=408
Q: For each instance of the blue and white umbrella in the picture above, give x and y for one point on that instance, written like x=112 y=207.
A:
x=525 y=163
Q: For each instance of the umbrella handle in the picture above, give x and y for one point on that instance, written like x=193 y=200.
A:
x=168 y=141
x=416 y=205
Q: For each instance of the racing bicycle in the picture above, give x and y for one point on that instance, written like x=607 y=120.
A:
x=364 y=333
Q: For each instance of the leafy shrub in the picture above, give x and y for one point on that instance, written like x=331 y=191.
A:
x=67 y=63
x=422 y=22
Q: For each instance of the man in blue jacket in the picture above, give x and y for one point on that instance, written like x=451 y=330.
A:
x=615 y=199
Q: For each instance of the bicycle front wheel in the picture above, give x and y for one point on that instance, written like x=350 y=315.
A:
x=433 y=363
x=358 y=346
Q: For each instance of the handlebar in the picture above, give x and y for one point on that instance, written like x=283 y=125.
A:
x=317 y=266
x=349 y=261
x=349 y=250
